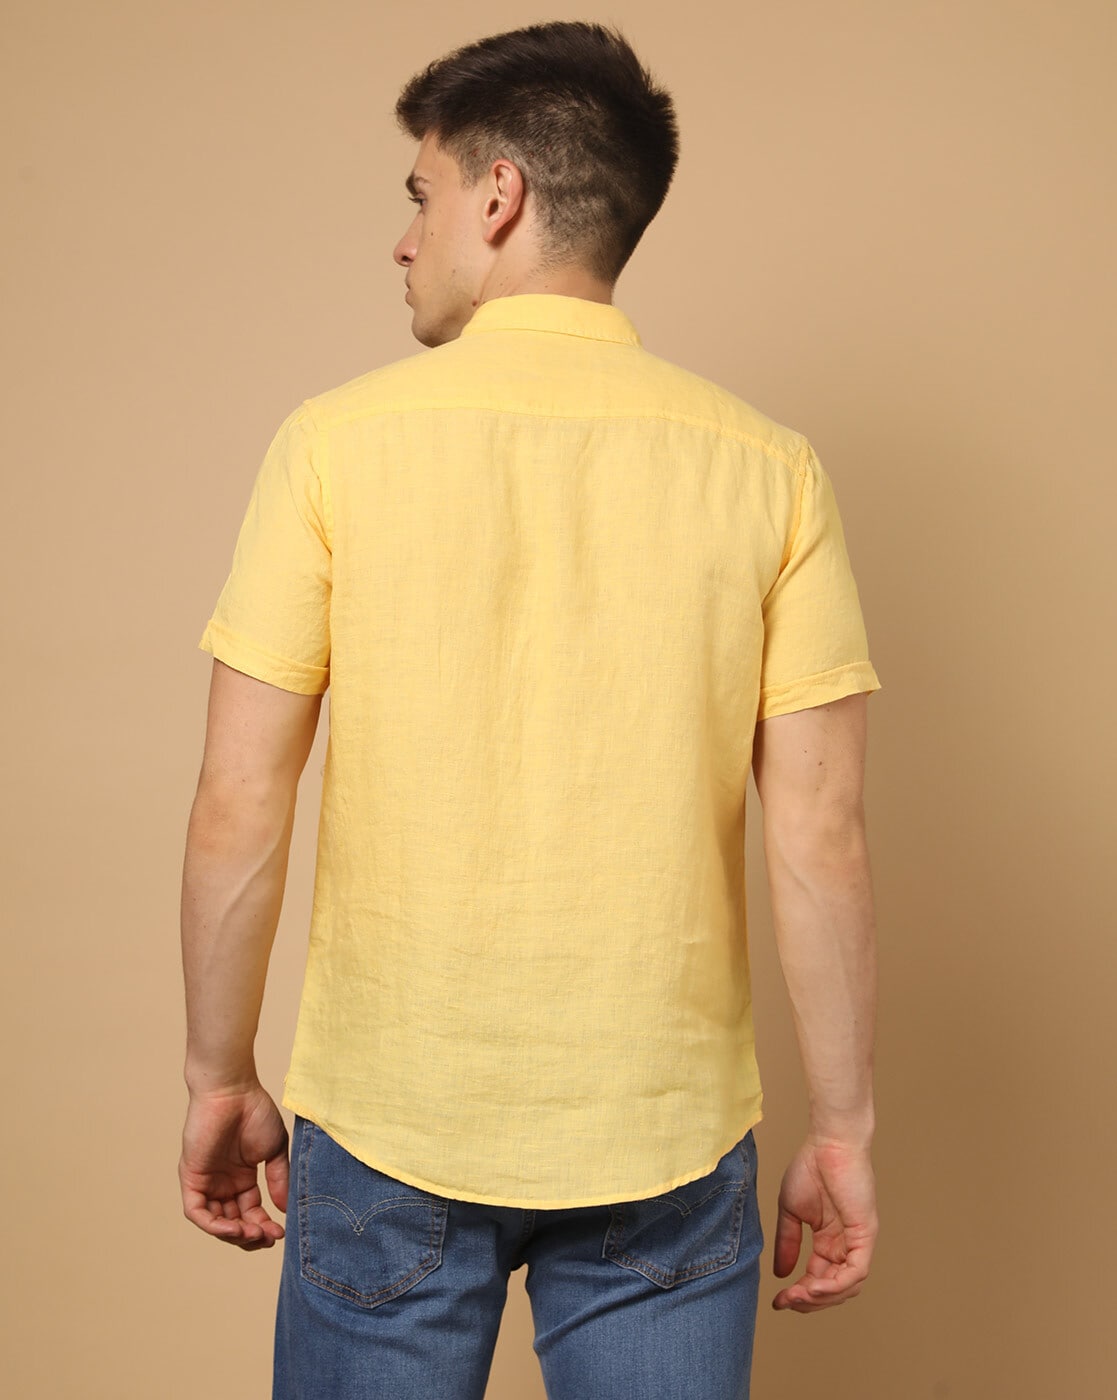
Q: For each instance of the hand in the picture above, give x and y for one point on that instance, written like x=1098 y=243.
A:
x=829 y=1186
x=227 y=1136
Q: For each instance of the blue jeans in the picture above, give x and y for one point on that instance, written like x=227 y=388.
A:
x=389 y=1292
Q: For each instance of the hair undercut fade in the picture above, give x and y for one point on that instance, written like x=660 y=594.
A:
x=570 y=105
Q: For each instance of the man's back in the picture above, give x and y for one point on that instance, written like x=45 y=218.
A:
x=552 y=582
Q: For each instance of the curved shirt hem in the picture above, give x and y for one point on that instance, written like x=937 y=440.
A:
x=520 y=1202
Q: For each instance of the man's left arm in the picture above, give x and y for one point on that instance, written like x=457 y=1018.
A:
x=258 y=738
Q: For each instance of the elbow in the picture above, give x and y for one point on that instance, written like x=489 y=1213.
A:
x=239 y=814
x=830 y=835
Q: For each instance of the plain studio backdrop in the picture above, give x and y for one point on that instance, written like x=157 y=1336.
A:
x=891 y=229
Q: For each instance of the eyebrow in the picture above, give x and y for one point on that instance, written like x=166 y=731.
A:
x=413 y=180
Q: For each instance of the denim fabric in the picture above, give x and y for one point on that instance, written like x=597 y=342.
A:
x=390 y=1292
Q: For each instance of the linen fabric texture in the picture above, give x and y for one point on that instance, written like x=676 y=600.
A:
x=552 y=582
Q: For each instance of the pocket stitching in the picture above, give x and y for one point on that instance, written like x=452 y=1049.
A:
x=668 y=1278
x=670 y=1198
x=358 y=1222
x=436 y=1216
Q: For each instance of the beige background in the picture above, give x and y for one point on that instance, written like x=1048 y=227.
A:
x=891 y=228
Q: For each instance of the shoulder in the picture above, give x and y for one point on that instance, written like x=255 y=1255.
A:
x=399 y=384
x=686 y=395
x=653 y=386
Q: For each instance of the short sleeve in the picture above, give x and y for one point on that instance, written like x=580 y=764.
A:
x=815 y=645
x=272 y=618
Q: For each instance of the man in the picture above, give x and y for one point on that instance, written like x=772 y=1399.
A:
x=565 y=596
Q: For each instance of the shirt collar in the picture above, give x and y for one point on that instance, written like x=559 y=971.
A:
x=548 y=311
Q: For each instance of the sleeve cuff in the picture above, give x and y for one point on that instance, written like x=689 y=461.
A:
x=856 y=678
x=252 y=660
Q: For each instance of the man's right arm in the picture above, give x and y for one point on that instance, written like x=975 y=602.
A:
x=809 y=771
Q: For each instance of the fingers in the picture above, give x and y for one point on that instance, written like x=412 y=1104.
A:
x=811 y=1298
x=276 y=1173
x=243 y=1222
x=824 y=1285
x=789 y=1241
x=245 y=1232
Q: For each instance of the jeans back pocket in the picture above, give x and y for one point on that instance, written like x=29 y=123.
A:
x=363 y=1235
x=689 y=1231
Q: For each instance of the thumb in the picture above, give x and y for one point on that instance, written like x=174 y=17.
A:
x=789 y=1240
x=276 y=1174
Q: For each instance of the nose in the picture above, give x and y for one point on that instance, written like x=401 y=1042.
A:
x=405 y=250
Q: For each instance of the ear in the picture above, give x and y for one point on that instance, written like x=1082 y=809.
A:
x=505 y=194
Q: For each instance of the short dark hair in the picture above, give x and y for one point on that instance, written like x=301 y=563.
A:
x=569 y=103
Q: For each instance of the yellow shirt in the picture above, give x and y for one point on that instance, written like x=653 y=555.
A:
x=552 y=581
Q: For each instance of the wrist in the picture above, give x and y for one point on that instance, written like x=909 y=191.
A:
x=846 y=1129
x=220 y=1081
